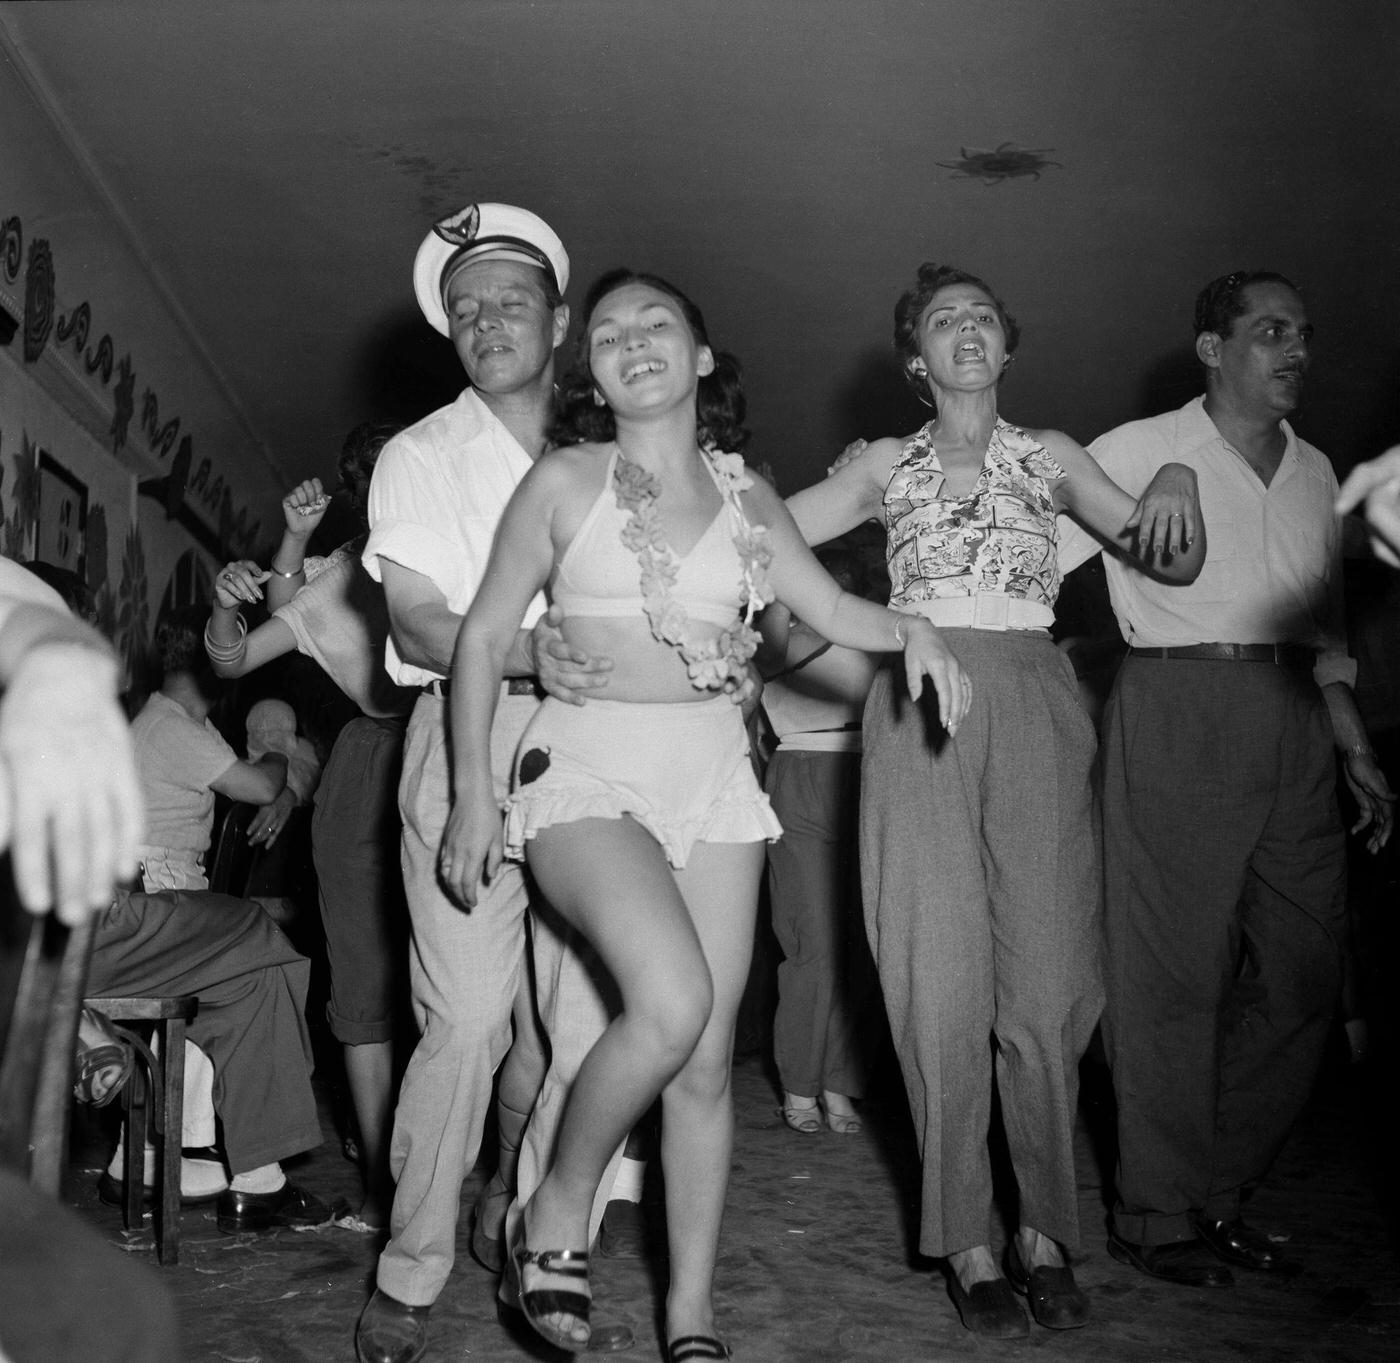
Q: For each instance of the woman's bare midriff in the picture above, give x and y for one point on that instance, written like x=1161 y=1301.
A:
x=644 y=669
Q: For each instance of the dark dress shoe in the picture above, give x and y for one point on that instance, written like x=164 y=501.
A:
x=289 y=1206
x=623 y=1233
x=1242 y=1245
x=1189 y=1263
x=1057 y=1302
x=391 y=1331
x=989 y=1308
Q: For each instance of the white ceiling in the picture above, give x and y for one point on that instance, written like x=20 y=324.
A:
x=780 y=160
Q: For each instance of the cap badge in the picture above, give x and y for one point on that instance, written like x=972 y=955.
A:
x=460 y=228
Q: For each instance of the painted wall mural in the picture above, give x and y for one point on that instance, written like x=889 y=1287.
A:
x=227 y=530
x=52 y=528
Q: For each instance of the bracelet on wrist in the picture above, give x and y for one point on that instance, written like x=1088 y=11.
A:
x=281 y=572
x=1360 y=750
x=901 y=632
x=227 y=653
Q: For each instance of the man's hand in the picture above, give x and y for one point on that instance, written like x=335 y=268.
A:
x=1167 y=516
x=473 y=844
x=271 y=819
x=566 y=673
x=853 y=451
x=1377 y=483
x=746 y=694
x=1375 y=801
x=70 y=805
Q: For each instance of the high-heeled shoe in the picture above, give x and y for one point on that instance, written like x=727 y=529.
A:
x=487 y=1249
x=806 y=1121
x=842 y=1123
x=540 y=1303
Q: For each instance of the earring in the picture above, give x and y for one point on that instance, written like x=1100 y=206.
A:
x=598 y=399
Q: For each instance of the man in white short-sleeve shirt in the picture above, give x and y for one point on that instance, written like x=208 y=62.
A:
x=491 y=278
x=1224 y=854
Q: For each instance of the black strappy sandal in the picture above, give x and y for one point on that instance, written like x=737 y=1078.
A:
x=687 y=1347
x=542 y=1302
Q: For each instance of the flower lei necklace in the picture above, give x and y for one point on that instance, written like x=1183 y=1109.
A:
x=709 y=662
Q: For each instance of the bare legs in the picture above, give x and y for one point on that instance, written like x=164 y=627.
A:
x=517 y=1086
x=369 y=1070
x=720 y=887
x=677 y=944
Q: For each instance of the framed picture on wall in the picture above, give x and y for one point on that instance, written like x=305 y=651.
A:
x=61 y=532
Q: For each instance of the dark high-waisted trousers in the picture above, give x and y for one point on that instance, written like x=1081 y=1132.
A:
x=981 y=883
x=1226 y=897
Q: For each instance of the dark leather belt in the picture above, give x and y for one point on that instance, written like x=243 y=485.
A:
x=1282 y=655
x=515 y=686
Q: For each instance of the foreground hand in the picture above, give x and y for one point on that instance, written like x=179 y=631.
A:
x=271 y=819
x=1168 y=514
x=926 y=655
x=852 y=451
x=473 y=846
x=240 y=583
x=1377 y=483
x=70 y=805
x=566 y=673
x=1375 y=801
x=304 y=507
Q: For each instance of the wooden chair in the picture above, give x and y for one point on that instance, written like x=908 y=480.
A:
x=231 y=858
x=154 y=1102
x=43 y=971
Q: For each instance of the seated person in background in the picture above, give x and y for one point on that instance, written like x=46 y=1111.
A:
x=184 y=761
x=272 y=728
x=69 y=817
x=180 y=938
x=812 y=700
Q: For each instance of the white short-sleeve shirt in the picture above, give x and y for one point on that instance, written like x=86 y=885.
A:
x=1273 y=570
x=437 y=496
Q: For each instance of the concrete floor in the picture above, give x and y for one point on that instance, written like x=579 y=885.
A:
x=816 y=1259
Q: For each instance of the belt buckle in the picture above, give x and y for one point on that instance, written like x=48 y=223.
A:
x=990 y=611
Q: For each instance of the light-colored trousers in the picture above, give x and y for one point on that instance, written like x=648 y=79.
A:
x=464 y=969
x=982 y=892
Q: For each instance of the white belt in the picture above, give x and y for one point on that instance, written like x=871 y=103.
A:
x=983 y=610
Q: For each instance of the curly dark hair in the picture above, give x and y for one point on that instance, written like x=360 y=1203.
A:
x=720 y=404
x=358 y=456
x=909 y=311
x=1222 y=301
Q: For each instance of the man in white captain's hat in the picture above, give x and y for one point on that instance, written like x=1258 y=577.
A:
x=491 y=278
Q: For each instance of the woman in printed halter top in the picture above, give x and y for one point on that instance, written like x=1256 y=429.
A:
x=980 y=866
x=638 y=812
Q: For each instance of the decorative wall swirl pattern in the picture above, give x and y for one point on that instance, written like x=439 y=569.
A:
x=238 y=530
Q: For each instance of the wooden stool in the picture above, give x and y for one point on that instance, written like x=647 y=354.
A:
x=168 y=1016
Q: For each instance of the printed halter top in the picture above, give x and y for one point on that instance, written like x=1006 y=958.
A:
x=1000 y=538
